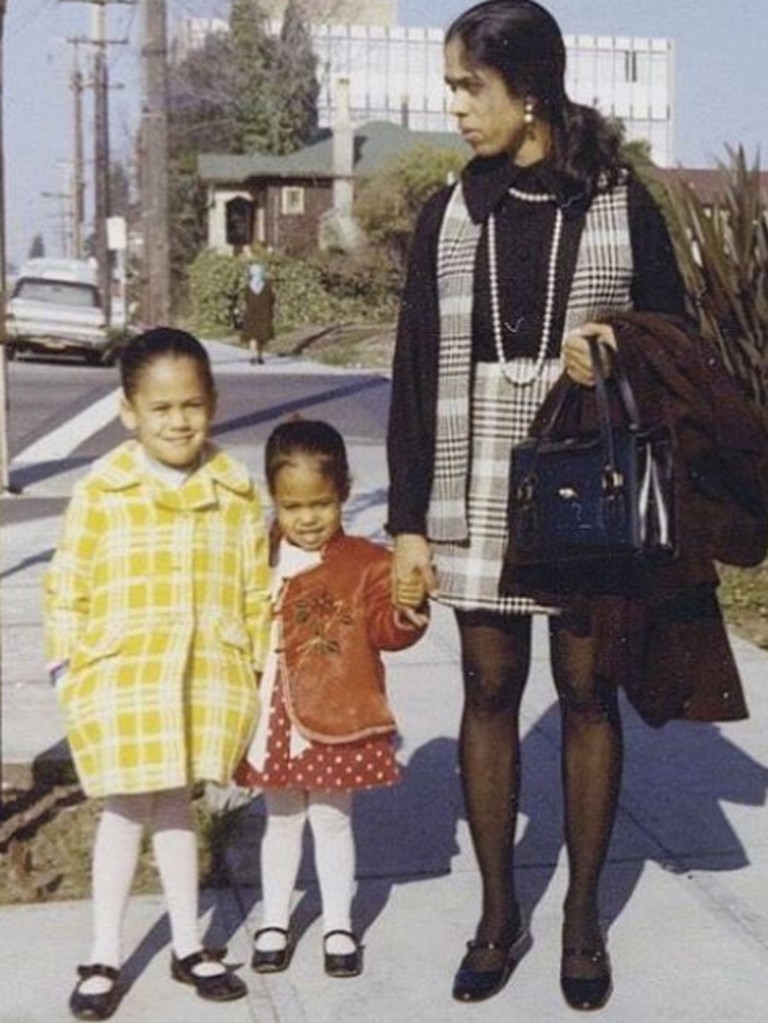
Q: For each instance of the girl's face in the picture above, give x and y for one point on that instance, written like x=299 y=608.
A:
x=307 y=504
x=171 y=411
x=490 y=119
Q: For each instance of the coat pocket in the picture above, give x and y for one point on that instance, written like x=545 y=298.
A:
x=96 y=644
x=233 y=633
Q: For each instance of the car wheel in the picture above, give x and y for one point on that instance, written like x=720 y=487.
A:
x=93 y=358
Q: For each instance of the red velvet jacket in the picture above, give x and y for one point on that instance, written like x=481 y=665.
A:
x=335 y=620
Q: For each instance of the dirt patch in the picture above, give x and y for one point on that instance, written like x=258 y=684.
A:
x=46 y=842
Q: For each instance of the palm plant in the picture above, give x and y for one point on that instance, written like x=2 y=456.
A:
x=722 y=252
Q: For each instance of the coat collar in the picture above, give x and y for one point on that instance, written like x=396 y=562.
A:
x=124 y=468
x=486 y=181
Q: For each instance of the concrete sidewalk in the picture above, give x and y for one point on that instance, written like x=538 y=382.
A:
x=685 y=890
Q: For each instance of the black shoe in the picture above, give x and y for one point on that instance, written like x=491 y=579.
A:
x=217 y=987
x=274 y=961
x=101 y=1006
x=472 y=985
x=586 y=993
x=346 y=964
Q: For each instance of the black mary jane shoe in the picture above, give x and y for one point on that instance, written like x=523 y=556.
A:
x=473 y=985
x=100 y=1006
x=217 y=987
x=343 y=964
x=587 y=993
x=276 y=960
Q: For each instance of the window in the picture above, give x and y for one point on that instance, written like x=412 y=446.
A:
x=630 y=66
x=292 y=201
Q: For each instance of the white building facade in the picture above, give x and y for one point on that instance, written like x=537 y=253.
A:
x=395 y=74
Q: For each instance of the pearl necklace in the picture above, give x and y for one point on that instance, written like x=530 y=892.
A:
x=515 y=378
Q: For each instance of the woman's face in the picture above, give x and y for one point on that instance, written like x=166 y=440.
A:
x=490 y=119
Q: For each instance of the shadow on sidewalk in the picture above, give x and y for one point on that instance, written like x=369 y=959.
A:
x=676 y=780
x=671 y=813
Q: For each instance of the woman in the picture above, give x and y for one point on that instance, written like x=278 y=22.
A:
x=509 y=272
x=259 y=315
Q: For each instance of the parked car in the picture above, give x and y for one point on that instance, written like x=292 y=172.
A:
x=55 y=306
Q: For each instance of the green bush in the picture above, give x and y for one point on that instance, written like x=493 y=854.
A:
x=324 y=289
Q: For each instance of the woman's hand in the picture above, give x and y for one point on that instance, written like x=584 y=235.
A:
x=577 y=360
x=413 y=578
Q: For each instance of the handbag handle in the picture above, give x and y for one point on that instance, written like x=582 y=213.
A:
x=612 y=477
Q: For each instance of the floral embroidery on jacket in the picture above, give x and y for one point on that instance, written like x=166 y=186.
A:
x=323 y=615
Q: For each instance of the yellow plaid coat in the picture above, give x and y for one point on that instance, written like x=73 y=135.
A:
x=158 y=598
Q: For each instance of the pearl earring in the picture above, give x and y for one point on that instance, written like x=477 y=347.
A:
x=529 y=118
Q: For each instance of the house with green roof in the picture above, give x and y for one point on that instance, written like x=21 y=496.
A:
x=302 y=202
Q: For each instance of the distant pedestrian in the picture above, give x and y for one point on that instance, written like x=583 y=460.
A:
x=259 y=315
x=330 y=729
x=157 y=611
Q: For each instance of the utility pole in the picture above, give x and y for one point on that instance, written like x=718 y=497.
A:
x=154 y=166
x=4 y=466
x=101 y=155
x=99 y=42
x=3 y=350
x=78 y=173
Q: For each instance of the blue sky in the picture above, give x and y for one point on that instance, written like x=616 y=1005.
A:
x=720 y=91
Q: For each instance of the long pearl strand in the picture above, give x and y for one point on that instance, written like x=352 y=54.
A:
x=515 y=378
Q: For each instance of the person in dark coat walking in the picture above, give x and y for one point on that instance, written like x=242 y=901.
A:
x=259 y=317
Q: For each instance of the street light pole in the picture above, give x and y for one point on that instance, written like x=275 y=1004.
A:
x=4 y=468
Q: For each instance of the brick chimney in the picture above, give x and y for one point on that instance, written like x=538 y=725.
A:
x=343 y=149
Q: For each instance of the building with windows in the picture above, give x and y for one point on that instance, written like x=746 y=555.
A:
x=382 y=91
x=396 y=72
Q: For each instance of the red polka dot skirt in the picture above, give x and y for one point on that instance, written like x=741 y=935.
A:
x=365 y=764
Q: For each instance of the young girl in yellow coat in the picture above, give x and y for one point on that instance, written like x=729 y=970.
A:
x=157 y=615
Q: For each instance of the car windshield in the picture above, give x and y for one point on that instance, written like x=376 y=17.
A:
x=58 y=293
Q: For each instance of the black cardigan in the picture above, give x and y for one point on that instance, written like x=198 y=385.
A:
x=523 y=238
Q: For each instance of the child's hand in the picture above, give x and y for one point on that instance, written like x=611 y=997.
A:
x=412 y=577
x=419 y=619
x=410 y=592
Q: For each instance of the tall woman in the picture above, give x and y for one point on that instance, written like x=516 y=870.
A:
x=545 y=234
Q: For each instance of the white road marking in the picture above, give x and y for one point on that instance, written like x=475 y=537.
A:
x=61 y=442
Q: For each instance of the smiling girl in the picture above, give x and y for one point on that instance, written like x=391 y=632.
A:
x=157 y=611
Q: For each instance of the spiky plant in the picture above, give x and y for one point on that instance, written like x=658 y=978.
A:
x=722 y=252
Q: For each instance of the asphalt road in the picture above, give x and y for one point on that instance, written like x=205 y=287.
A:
x=64 y=414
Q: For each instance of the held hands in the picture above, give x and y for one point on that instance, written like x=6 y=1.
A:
x=577 y=361
x=412 y=577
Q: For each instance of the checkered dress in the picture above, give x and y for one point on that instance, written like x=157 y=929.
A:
x=480 y=415
x=468 y=572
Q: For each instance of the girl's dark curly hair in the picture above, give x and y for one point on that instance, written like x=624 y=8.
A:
x=522 y=42
x=315 y=439
x=143 y=349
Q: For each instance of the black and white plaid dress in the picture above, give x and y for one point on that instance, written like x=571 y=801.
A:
x=481 y=415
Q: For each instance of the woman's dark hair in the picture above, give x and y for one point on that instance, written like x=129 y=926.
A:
x=313 y=438
x=522 y=42
x=142 y=350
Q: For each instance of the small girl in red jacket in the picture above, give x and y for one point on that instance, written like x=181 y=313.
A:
x=329 y=730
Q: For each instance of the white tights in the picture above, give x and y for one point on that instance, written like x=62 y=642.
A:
x=330 y=819
x=168 y=816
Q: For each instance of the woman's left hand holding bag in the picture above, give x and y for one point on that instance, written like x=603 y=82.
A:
x=577 y=361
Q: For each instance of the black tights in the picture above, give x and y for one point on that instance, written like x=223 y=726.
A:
x=496 y=652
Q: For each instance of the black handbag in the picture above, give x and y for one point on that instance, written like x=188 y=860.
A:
x=581 y=506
